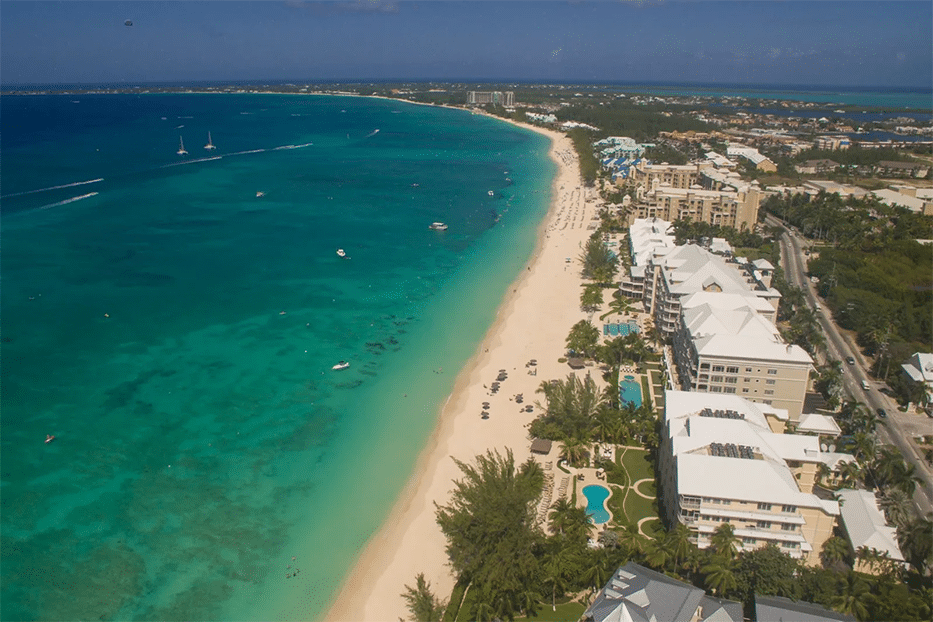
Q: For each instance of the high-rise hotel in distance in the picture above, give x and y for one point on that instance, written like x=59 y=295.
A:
x=503 y=98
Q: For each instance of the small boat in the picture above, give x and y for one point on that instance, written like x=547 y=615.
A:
x=260 y=194
x=49 y=438
x=340 y=365
x=491 y=193
x=181 y=147
x=341 y=252
x=438 y=226
x=210 y=144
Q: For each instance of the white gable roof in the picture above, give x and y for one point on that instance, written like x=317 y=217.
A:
x=866 y=525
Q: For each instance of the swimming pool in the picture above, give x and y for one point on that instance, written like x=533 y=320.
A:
x=630 y=391
x=595 y=503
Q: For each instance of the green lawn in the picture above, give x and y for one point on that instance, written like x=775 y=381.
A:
x=636 y=463
x=653 y=528
x=566 y=612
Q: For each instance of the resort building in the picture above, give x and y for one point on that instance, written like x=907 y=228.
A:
x=619 y=147
x=886 y=168
x=815 y=167
x=721 y=462
x=648 y=239
x=503 y=98
x=865 y=526
x=728 y=343
x=636 y=594
x=761 y=162
x=832 y=143
x=716 y=207
x=688 y=269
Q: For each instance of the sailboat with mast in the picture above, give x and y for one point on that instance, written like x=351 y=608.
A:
x=181 y=147
x=210 y=144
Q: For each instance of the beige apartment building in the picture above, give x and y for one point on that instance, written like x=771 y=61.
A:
x=721 y=461
x=699 y=192
x=728 y=343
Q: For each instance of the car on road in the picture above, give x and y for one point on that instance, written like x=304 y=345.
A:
x=865 y=385
x=881 y=413
x=850 y=360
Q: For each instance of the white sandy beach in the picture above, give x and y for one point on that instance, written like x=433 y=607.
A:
x=532 y=323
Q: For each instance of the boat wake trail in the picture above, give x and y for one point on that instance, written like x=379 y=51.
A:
x=292 y=146
x=71 y=200
x=371 y=134
x=192 y=161
x=77 y=183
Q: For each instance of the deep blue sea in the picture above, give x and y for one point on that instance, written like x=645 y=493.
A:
x=175 y=332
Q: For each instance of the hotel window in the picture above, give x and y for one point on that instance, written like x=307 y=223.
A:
x=769 y=392
x=715 y=389
x=744 y=390
x=748 y=369
x=788 y=509
x=732 y=370
x=716 y=379
x=731 y=380
x=728 y=390
x=749 y=540
x=763 y=524
x=704 y=377
x=788 y=527
x=772 y=372
x=770 y=381
x=718 y=368
x=746 y=379
x=764 y=506
x=702 y=387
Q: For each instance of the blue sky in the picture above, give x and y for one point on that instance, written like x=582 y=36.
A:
x=855 y=43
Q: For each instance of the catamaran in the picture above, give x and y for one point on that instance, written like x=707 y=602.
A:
x=340 y=365
x=438 y=226
x=210 y=144
x=181 y=147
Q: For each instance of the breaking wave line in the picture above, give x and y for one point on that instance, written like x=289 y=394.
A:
x=71 y=200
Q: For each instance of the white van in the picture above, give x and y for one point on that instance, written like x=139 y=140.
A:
x=865 y=385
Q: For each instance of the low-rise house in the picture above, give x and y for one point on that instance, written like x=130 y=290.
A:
x=780 y=609
x=865 y=526
x=815 y=167
x=886 y=168
x=918 y=371
x=636 y=594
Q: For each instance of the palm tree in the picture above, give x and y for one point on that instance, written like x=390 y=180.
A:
x=574 y=451
x=850 y=596
x=596 y=572
x=916 y=541
x=719 y=576
x=897 y=506
x=657 y=553
x=679 y=544
x=631 y=539
x=850 y=474
x=619 y=305
x=724 y=542
x=835 y=550
x=555 y=572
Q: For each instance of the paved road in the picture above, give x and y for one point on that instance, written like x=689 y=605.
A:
x=893 y=429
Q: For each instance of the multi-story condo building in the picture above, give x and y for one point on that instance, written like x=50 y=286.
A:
x=728 y=343
x=647 y=175
x=716 y=207
x=689 y=269
x=721 y=462
x=505 y=98
x=648 y=238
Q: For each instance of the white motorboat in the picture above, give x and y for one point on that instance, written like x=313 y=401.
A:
x=340 y=365
x=491 y=193
x=181 y=147
x=210 y=143
x=260 y=194
x=341 y=252
x=438 y=226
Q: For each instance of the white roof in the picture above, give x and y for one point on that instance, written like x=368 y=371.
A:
x=724 y=301
x=648 y=236
x=892 y=197
x=833 y=459
x=742 y=347
x=767 y=478
x=820 y=424
x=920 y=367
x=865 y=523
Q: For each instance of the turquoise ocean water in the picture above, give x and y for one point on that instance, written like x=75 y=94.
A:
x=176 y=333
